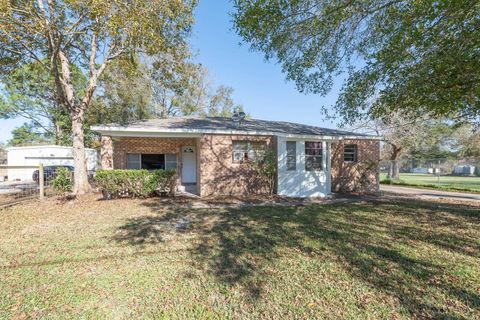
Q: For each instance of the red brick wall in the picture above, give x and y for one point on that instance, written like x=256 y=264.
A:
x=124 y=145
x=219 y=175
x=361 y=176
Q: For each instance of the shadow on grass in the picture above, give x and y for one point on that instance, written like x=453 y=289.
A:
x=233 y=245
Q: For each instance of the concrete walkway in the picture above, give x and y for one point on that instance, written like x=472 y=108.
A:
x=430 y=194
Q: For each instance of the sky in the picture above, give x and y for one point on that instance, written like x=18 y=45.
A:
x=259 y=85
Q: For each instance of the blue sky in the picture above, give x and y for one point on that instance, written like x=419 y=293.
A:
x=259 y=85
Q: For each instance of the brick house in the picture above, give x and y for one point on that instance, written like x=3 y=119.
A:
x=214 y=155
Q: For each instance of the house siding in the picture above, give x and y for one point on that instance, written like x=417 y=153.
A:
x=347 y=176
x=219 y=175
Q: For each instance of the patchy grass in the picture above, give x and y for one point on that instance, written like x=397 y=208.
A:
x=430 y=181
x=126 y=259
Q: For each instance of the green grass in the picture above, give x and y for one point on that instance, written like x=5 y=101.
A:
x=449 y=183
x=124 y=259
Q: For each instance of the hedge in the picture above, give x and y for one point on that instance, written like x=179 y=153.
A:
x=135 y=183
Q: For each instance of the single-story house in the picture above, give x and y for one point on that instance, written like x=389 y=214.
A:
x=213 y=155
x=48 y=155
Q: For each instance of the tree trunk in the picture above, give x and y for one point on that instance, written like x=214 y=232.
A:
x=81 y=185
x=394 y=170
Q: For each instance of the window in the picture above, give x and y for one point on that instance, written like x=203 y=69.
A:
x=151 y=161
x=313 y=156
x=134 y=161
x=350 y=153
x=248 y=151
x=171 y=161
x=291 y=155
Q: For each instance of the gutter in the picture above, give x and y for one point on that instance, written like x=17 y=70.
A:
x=196 y=133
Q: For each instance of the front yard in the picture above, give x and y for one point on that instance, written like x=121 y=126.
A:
x=134 y=259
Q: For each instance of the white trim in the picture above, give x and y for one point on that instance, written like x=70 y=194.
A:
x=169 y=132
x=42 y=147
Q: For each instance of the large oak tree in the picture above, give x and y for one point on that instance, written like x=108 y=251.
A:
x=414 y=57
x=90 y=34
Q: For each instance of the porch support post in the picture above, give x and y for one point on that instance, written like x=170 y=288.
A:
x=327 y=164
x=107 y=153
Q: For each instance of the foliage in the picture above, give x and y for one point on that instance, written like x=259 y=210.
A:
x=27 y=135
x=61 y=34
x=221 y=103
x=29 y=92
x=125 y=95
x=135 y=183
x=63 y=181
x=467 y=141
x=266 y=168
x=417 y=57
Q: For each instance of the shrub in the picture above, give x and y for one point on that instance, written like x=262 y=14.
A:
x=266 y=168
x=135 y=183
x=63 y=181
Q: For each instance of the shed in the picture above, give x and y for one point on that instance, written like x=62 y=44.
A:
x=48 y=155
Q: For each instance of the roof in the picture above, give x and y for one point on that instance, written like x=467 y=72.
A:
x=223 y=125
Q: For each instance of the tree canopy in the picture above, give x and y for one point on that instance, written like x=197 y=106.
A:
x=60 y=34
x=415 y=57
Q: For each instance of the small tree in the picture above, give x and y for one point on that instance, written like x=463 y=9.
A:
x=63 y=182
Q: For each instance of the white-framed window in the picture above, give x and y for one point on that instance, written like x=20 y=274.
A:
x=171 y=161
x=134 y=161
x=350 y=153
x=313 y=156
x=151 y=161
x=248 y=151
x=291 y=155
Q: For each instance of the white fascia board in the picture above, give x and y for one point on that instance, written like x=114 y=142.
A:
x=42 y=147
x=188 y=133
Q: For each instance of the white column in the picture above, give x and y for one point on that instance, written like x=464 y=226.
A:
x=328 y=171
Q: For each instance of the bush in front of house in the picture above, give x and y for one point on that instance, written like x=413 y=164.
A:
x=135 y=183
x=63 y=181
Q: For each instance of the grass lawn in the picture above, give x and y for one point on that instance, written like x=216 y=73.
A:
x=453 y=183
x=125 y=259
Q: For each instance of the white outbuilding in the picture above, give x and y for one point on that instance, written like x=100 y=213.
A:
x=49 y=155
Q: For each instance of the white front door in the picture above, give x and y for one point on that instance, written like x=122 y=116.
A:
x=189 y=165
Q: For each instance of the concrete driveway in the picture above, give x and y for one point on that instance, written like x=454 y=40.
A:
x=430 y=194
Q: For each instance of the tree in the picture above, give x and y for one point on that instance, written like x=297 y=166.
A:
x=181 y=89
x=124 y=95
x=467 y=140
x=27 y=135
x=400 y=135
x=221 y=103
x=90 y=34
x=28 y=93
x=414 y=57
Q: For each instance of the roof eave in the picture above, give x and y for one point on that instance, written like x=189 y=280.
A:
x=170 y=132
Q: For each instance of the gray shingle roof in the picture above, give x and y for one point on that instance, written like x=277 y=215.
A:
x=227 y=124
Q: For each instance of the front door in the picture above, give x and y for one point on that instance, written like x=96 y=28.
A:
x=189 y=165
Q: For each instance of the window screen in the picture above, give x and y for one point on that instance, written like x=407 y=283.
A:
x=246 y=150
x=291 y=155
x=171 y=161
x=350 y=153
x=313 y=156
x=133 y=161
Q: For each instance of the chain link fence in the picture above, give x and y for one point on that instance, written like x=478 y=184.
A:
x=462 y=174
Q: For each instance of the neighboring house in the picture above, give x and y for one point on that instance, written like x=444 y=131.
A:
x=48 y=156
x=213 y=155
